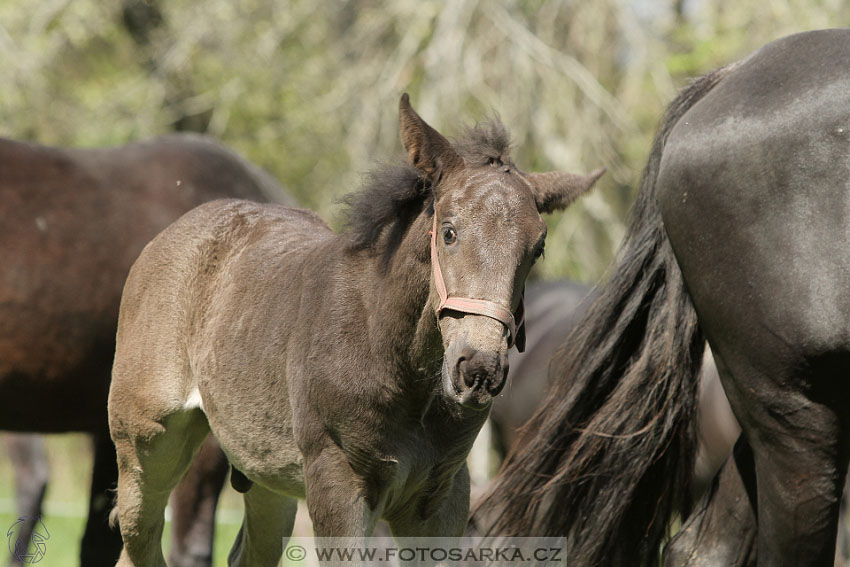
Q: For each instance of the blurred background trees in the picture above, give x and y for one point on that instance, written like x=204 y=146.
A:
x=309 y=89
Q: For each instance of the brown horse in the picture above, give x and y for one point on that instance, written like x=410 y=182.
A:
x=345 y=368
x=72 y=223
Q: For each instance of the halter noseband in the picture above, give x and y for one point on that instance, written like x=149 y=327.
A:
x=475 y=306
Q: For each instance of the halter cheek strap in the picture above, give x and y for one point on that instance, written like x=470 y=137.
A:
x=514 y=323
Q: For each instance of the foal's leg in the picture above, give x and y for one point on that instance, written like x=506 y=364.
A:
x=441 y=515
x=269 y=518
x=193 y=504
x=336 y=497
x=153 y=455
x=447 y=520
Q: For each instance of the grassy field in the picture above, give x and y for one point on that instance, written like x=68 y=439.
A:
x=70 y=460
x=65 y=508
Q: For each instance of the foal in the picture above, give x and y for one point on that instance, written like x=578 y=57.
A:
x=353 y=370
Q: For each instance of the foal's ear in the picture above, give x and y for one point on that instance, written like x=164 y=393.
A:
x=556 y=190
x=428 y=150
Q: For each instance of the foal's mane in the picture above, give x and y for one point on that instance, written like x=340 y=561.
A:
x=393 y=195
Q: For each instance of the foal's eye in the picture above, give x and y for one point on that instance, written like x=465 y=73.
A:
x=494 y=161
x=449 y=235
x=539 y=252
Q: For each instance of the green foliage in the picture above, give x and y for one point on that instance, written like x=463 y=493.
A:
x=309 y=89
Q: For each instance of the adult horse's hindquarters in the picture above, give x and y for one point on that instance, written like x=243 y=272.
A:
x=354 y=370
x=740 y=236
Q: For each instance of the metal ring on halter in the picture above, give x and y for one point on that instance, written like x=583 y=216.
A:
x=474 y=306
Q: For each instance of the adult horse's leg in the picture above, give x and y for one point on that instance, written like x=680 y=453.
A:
x=269 y=518
x=29 y=461
x=193 y=505
x=801 y=462
x=783 y=363
x=153 y=455
x=101 y=543
x=721 y=532
x=786 y=382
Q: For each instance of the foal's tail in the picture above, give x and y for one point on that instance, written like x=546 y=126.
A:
x=606 y=460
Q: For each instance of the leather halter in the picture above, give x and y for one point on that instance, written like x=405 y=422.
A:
x=514 y=323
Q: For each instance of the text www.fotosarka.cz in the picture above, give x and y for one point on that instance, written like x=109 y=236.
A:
x=386 y=552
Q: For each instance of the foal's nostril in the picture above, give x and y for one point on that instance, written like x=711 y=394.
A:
x=469 y=375
x=478 y=376
x=481 y=370
x=496 y=384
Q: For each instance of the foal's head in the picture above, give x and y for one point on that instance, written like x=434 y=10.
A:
x=487 y=233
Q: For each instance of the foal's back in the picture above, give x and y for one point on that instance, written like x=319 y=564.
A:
x=216 y=262
x=225 y=275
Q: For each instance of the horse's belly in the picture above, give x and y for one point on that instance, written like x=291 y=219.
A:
x=255 y=431
x=51 y=386
x=284 y=474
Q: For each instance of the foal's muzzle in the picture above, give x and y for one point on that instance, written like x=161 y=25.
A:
x=473 y=377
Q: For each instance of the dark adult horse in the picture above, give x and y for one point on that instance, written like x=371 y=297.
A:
x=72 y=222
x=739 y=236
x=351 y=369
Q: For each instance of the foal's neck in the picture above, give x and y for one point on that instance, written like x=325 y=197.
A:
x=401 y=321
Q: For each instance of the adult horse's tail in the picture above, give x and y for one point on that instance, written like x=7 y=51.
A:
x=606 y=460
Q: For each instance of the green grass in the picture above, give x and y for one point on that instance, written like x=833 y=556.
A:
x=65 y=507
x=70 y=461
x=63 y=547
